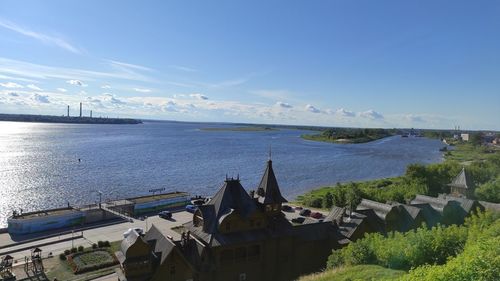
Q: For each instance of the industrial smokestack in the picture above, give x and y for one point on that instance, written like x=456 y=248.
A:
x=68 y=110
x=80 y=110
x=91 y=114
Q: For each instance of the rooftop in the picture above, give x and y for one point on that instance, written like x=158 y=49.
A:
x=156 y=197
x=45 y=213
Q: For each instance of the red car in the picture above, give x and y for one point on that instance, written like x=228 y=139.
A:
x=316 y=215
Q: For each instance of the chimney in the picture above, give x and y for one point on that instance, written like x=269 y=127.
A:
x=68 y=110
x=91 y=114
x=80 y=110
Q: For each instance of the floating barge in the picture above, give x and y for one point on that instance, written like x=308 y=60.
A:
x=137 y=206
x=24 y=223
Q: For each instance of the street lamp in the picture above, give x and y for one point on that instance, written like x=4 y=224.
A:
x=100 y=197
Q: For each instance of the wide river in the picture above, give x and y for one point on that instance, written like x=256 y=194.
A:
x=39 y=165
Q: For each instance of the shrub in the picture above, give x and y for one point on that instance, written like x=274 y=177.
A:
x=94 y=246
x=100 y=244
x=106 y=244
x=62 y=256
x=80 y=248
x=67 y=252
x=74 y=250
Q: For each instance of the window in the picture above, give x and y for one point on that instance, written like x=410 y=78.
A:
x=253 y=251
x=226 y=255
x=240 y=254
x=243 y=276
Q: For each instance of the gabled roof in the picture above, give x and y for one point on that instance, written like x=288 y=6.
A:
x=436 y=203
x=232 y=197
x=161 y=244
x=268 y=191
x=467 y=204
x=462 y=180
x=380 y=209
x=336 y=214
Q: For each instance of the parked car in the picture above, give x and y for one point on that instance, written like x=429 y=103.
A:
x=298 y=208
x=198 y=202
x=286 y=208
x=138 y=230
x=298 y=220
x=305 y=212
x=316 y=215
x=165 y=215
x=191 y=208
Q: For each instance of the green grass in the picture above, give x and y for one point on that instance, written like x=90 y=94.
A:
x=467 y=153
x=61 y=270
x=358 y=272
x=320 y=137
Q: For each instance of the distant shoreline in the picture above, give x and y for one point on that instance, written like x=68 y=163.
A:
x=239 y=129
x=321 y=138
x=66 y=119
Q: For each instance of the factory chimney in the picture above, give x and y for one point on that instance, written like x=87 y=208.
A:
x=68 y=110
x=91 y=114
x=80 y=110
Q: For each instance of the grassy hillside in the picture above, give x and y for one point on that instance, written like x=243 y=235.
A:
x=358 y=272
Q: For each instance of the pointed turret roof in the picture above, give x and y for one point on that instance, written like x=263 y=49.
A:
x=268 y=191
x=462 y=180
x=232 y=197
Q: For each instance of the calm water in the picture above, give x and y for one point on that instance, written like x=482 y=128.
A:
x=39 y=165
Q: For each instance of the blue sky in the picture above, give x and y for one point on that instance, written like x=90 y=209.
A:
x=425 y=64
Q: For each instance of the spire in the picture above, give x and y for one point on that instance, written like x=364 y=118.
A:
x=268 y=191
x=462 y=180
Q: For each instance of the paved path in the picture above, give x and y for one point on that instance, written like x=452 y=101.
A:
x=110 y=233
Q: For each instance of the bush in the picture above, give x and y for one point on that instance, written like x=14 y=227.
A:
x=74 y=250
x=403 y=250
x=94 y=246
x=80 y=248
x=106 y=244
x=62 y=256
x=100 y=244
x=67 y=252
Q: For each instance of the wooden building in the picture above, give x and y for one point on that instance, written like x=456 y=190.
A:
x=235 y=236
x=462 y=185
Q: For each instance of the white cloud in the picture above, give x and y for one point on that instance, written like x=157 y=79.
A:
x=283 y=104
x=199 y=96
x=12 y=94
x=128 y=66
x=34 y=87
x=46 y=39
x=40 y=99
x=38 y=71
x=312 y=109
x=371 y=114
x=76 y=83
x=106 y=86
x=272 y=94
x=11 y=85
x=183 y=68
x=142 y=90
x=345 y=113
x=112 y=99
x=62 y=90
x=414 y=118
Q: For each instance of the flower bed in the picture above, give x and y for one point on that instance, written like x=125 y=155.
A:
x=91 y=260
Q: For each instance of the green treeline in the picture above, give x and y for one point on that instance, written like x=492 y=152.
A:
x=467 y=252
x=350 y=135
x=483 y=167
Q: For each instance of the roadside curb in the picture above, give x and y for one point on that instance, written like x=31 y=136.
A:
x=41 y=244
x=59 y=234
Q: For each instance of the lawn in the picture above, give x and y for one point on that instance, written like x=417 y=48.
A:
x=358 y=272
